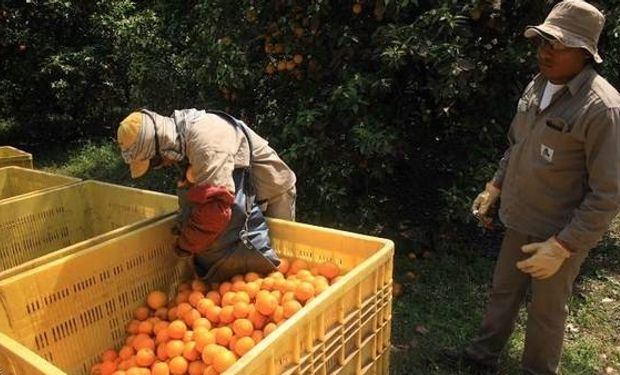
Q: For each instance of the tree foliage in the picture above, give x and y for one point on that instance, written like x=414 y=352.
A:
x=386 y=109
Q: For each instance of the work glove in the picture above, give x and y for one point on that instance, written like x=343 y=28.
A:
x=483 y=202
x=546 y=260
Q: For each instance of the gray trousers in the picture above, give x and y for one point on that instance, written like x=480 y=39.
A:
x=546 y=311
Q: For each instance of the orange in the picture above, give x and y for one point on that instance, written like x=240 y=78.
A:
x=237 y=277
x=109 y=355
x=252 y=288
x=190 y=352
x=329 y=270
x=182 y=297
x=178 y=366
x=161 y=325
x=320 y=283
x=203 y=338
x=243 y=327
x=223 y=359
x=142 y=341
x=160 y=368
x=226 y=315
x=209 y=352
x=251 y=276
x=257 y=336
x=132 y=327
x=209 y=370
x=244 y=345
x=270 y=327
x=304 y=291
x=288 y=296
x=258 y=320
x=162 y=336
x=278 y=314
x=227 y=298
x=238 y=285
x=157 y=299
x=107 y=368
x=241 y=309
x=267 y=284
x=201 y=322
x=142 y=313
x=213 y=314
x=284 y=266
x=188 y=336
x=223 y=335
x=203 y=304
x=241 y=296
x=145 y=357
x=162 y=353
x=183 y=308
x=177 y=329
x=196 y=368
x=357 y=8
x=190 y=317
x=145 y=327
x=224 y=287
x=172 y=313
x=290 y=308
x=194 y=297
x=214 y=296
x=297 y=265
x=290 y=286
x=126 y=352
x=175 y=348
x=277 y=294
x=277 y=275
x=233 y=342
x=304 y=275
x=266 y=304
x=199 y=286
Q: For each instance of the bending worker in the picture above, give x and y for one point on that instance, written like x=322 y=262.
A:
x=216 y=147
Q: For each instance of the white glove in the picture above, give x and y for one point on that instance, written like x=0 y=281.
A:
x=484 y=201
x=546 y=260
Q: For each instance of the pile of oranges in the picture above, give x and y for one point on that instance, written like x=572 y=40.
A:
x=205 y=329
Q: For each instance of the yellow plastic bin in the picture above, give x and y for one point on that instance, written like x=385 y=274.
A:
x=64 y=314
x=18 y=181
x=44 y=226
x=12 y=156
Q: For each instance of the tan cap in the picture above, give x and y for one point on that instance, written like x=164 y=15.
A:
x=127 y=134
x=574 y=23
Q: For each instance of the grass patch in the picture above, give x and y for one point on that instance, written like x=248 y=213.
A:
x=443 y=304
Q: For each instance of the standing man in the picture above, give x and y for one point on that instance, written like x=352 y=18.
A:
x=559 y=187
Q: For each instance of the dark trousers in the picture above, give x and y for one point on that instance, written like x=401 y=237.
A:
x=546 y=312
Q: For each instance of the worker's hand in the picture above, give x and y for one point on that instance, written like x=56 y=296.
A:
x=484 y=201
x=547 y=258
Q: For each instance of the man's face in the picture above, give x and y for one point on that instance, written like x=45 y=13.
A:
x=558 y=63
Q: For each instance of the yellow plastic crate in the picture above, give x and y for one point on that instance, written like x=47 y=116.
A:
x=18 y=181
x=12 y=156
x=67 y=312
x=46 y=225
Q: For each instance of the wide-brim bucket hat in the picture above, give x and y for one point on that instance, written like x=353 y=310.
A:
x=574 y=23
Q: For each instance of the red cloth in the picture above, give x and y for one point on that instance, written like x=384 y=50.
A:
x=209 y=217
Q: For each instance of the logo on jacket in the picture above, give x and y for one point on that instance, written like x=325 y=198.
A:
x=546 y=152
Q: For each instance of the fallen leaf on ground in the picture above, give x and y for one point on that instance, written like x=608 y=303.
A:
x=421 y=329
